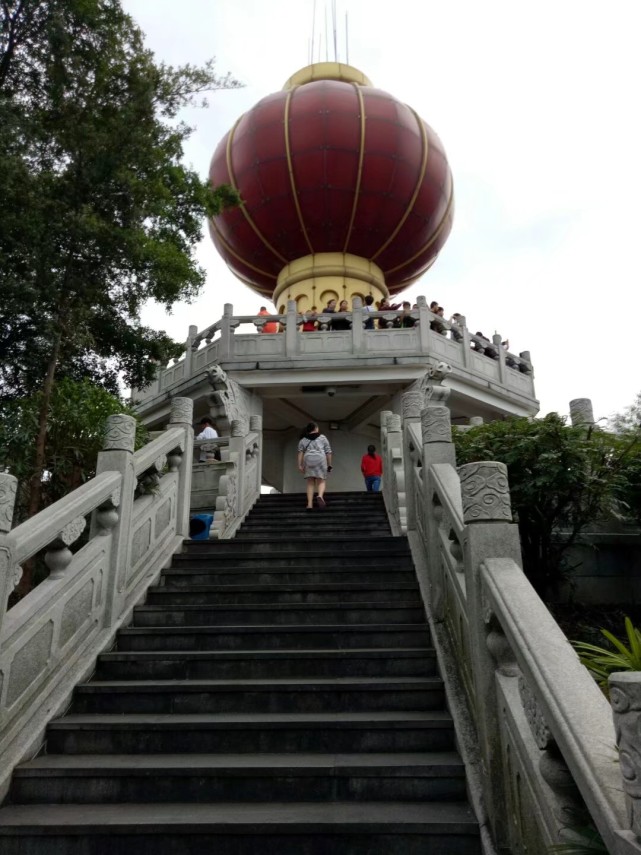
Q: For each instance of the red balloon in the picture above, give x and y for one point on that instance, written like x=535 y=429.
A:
x=331 y=166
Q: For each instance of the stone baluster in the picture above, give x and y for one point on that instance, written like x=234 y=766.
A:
x=581 y=413
x=58 y=556
x=411 y=403
x=226 y=332
x=475 y=421
x=359 y=316
x=10 y=575
x=117 y=456
x=292 y=341
x=490 y=533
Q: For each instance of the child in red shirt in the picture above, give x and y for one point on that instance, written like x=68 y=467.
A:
x=372 y=469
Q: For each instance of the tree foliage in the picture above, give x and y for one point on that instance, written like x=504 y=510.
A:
x=561 y=479
x=99 y=213
x=78 y=411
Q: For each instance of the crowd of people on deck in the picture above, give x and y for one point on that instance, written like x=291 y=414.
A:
x=405 y=318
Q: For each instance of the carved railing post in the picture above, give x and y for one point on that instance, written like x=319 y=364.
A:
x=182 y=414
x=625 y=698
x=189 y=351
x=8 y=573
x=500 y=351
x=291 y=330
x=358 y=318
x=436 y=434
x=230 y=485
x=581 y=413
x=394 y=472
x=256 y=426
x=411 y=403
x=117 y=456
x=226 y=332
x=424 y=318
x=490 y=533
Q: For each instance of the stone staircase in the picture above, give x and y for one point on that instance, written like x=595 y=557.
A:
x=277 y=693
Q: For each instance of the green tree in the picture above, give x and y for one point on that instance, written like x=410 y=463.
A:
x=561 y=479
x=99 y=213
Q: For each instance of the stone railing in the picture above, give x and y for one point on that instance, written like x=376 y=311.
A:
x=431 y=336
x=536 y=732
x=135 y=514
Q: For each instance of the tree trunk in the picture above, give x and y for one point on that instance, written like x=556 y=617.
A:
x=35 y=482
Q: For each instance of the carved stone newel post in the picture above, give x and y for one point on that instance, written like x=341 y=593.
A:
x=114 y=517
x=411 y=403
x=9 y=575
x=625 y=697
x=581 y=412
x=489 y=533
x=182 y=414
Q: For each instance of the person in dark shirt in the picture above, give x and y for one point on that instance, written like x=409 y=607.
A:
x=342 y=323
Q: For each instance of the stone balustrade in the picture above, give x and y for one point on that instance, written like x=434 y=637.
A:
x=104 y=544
x=225 y=341
x=535 y=730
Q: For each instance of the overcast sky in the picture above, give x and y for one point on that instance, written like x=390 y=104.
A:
x=537 y=106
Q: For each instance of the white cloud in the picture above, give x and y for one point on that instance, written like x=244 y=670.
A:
x=536 y=106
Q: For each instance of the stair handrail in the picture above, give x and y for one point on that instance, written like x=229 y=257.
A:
x=535 y=724
x=137 y=506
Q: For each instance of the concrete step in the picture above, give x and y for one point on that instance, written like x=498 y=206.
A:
x=355 y=514
x=287 y=695
x=409 y=611
x=291 y=828
x=213 y=574
x=261 y=664
x=285 y=594
x=239 y=733
x=83 y=779
x=303 y=532
x=349 y=497
x=301 y=560
x=334 y=637
x=275 y=546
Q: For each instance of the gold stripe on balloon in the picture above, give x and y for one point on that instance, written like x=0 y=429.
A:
x=242 y=206
x=417 y=189
x=430 y=241
x=233 y=252
x=290 y=168
x=361 y=158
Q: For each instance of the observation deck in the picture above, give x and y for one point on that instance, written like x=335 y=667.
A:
x=345 y=376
